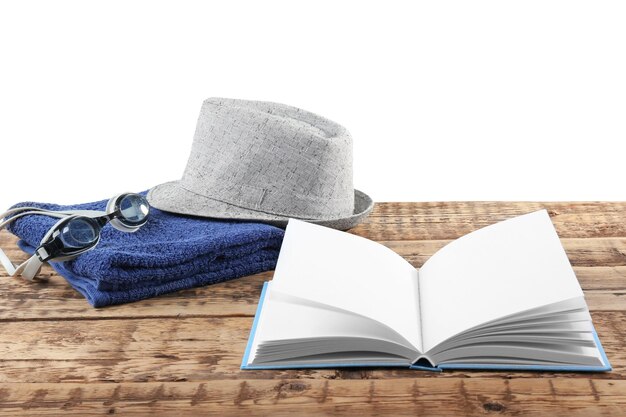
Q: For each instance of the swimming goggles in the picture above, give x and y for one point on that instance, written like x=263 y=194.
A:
x=76 y=232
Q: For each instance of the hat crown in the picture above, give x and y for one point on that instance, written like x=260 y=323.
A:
x=273 y=158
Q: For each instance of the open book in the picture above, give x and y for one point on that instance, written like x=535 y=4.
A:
x=502 y=297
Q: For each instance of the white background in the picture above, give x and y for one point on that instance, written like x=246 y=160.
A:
x=446 y=100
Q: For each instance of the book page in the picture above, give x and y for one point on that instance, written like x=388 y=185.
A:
x=502 y=269
x=351 y=273
x=290 y=321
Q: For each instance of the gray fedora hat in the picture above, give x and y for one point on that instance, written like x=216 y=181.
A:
x=268 y=162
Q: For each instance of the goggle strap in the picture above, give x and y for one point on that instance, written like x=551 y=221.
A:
x=55 y=214
x=30 y=268
x=18 y=209
x=7 y=264
x=87 y=213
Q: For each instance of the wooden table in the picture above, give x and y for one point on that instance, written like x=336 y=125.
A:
x=180 y=354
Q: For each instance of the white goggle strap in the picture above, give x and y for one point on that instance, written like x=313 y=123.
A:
x=7 y=264
x=30 y=268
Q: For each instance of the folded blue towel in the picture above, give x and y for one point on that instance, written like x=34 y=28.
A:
x=169 y=253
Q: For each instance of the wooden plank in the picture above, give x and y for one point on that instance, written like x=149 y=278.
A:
x=192 y=349
x=587 y=396
x=494 y=209
x=601 y=277
x=450 y=220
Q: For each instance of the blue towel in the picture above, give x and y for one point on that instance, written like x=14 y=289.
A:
x=169 y=253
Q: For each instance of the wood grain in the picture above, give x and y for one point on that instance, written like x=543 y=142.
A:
x=450 y=220
x=179 y=354
x=555 y=396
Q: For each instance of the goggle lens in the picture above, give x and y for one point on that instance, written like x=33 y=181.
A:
x=79 y=232
x=133 y=209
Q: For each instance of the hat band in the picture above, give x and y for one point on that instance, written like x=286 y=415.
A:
x=272 y=202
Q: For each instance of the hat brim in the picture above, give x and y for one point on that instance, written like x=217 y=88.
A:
x=173 y=198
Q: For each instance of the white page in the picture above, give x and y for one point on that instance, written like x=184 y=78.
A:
x=505 y=268
x=288 y=317
x=351 y=273
x=285 y=317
